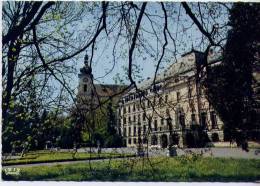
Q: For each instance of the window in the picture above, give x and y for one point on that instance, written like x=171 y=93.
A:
x=124 y=120
x=213 y=119
x=139 y=130
x=134 y=140
x=134 y=131
x=134 y=118
x=129 y=119
x=177 y=121
x=85 y=88
x=169 y=123
x=162 y=121
x=144 y=129
x=189 y=92
x=193 y=119
x=155 y=125
x=166 y=98
x=129 y=141
x=178 y=96
x=154 y=140
x=182 y=120
x=204 y=120
x=129 y=131
x=129 y=110
x=134 y=108
x=124 y=110
x=124 y=132
x=145 y=140
x=150 y=122
x=144 y=116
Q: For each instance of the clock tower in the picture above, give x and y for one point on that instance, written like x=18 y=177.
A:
x=85 y=88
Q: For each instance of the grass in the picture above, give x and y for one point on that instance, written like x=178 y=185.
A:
x=46 y=156
x=187 y=168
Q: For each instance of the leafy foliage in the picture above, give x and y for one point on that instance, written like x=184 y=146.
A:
x=229 y=85
x=104 y=131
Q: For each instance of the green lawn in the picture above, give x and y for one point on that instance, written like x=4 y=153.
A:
x=46 y=156
x=155 y=169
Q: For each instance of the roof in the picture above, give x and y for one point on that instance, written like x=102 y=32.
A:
x=185 y=64
x=106 y=90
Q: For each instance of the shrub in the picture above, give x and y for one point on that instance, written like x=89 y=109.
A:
x=215 y=137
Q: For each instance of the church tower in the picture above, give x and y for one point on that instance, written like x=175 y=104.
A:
x=85 y=87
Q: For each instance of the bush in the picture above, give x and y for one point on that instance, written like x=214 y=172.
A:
x=215 y=137
x=196 y=137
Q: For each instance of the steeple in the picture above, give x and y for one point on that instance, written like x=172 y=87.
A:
x=86 y=69
x=192 y=48
x=86 y=59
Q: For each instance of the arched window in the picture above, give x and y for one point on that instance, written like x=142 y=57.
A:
x=129 y=131
x=203 y=120
x=144 y=129
x=85 y=87
x=144 y=116
x=213 y=119
x=182 y=119
x=155 y=125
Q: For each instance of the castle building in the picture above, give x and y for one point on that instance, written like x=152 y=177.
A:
x=165 y=109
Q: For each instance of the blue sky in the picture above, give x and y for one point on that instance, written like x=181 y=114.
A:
x=185 y=33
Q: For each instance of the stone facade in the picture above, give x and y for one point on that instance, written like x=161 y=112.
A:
x=163 y=113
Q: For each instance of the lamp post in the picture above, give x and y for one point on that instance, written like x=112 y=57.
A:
x=172 y=149
x=140 y=150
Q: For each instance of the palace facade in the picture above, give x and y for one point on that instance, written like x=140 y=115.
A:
x=165 y=109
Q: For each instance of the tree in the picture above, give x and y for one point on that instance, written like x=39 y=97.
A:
x=112 y=138
x=44 y=42
x=25 y=65
x=229 y=86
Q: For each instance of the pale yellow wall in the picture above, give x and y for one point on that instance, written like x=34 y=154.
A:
x=171 y=89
